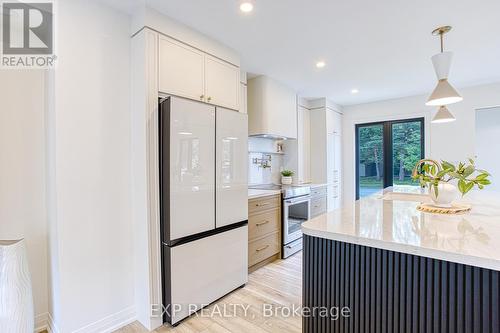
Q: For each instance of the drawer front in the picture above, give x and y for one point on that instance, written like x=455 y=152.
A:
x=264 y=223
x=263 y=248
x=318 y=192
x=318 y=206
x=262 y=204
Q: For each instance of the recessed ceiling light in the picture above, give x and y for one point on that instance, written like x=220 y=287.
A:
x=320 y=64
x=354 y=91
x=246 y=6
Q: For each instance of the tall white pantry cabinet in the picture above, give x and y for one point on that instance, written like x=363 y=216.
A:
x=326 y=149
x=180 y=63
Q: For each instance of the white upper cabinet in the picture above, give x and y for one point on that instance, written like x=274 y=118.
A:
x=334 y=122
x=188 y=72
x=181 y=69
x=222 y=83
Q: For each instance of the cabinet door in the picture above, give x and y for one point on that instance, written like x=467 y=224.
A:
x=222 y=83
x=303 y=145
x=181 y=69
x=232 y=165
x=243 y=98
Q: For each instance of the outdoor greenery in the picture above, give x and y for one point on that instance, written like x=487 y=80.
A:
x=406 y=148
x=430 y=173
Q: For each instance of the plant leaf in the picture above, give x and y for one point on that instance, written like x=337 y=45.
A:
x=468 y=187
x=447 y=165
x=469 y=171
x=461 y=186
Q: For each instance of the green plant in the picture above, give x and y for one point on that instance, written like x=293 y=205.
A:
x=287 y=173
x=430 y=173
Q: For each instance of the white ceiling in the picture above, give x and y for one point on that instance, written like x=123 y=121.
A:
x=382 y=48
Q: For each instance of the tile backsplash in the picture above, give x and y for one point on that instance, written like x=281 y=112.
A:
x=264 y=163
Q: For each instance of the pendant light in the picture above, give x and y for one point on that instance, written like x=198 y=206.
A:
x=444 y=93
x=443 y=115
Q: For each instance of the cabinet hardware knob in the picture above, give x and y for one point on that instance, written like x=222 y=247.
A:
x=262 y=223
x=209 y=98
x=262 y=248
x=202 y=96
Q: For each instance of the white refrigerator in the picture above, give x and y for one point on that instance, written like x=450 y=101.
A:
x=203 y=204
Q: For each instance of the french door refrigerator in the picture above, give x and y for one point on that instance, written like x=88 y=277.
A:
x=203 y=204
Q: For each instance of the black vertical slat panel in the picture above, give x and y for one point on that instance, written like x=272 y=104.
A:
x=305 y=280
x=384 y=291
x=397 y=302
x=486 y=299
x=341 y=284
x=422 y=295
x=328 y=268
x=337 y=282
x=390 y=285
x=415 y=291
x=409 y=292
x=495 y=302
x=373 y=286
x=402 y=294
x=357 y=287
x=444 y=296
x=460 y=298
x=437 y=297
x=362 y=281
x=476 y=291
x=452 y=298
x=378 y=290
x=430 y=295
x=468 y=299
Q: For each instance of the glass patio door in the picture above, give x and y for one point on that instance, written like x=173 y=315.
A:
x=386 y=153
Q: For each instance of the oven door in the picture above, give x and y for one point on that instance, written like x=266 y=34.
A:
x=295 y=212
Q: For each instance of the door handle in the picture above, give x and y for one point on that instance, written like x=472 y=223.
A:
x=262 y=223
x=262 y=248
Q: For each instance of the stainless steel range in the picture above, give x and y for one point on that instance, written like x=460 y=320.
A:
x=296 y=209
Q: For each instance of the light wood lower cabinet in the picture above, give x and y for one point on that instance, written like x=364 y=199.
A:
x=264 y=231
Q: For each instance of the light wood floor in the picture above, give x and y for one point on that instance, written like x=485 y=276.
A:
x=278 y=283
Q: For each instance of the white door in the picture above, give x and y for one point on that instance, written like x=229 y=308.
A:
x=232 y=165
x=204 y=270
x=192 y=167
x=222 y=83
x=181 y=69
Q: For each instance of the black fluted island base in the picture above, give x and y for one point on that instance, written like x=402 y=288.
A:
x=384 y=291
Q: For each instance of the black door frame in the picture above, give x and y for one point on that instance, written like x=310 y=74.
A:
x=387 y=147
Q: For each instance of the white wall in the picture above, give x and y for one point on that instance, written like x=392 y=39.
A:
x=22 y=173
x=487 y=135
x=451 y=141
x=91 y=241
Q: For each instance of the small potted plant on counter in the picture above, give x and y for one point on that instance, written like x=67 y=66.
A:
x=438 y=176
x=286 y=177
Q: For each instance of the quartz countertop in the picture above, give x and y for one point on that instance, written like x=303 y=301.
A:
x=253 y=193
x=390 y=220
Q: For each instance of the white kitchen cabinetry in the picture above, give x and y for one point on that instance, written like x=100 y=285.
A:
x=303 y=145
x=326 y=151
x=188 y=72
x=272 y=109
x=222 y=83
x=181 y=69
x=243 y=92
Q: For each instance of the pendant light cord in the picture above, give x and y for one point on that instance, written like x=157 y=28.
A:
x=442 y=43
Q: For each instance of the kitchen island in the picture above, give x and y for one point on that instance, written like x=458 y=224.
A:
x=397 y=269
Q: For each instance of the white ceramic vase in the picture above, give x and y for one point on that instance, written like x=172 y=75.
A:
x=286 y=180
x=446 y=194
x=16 y=298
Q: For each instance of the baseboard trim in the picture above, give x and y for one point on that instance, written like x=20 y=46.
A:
x=110 y=323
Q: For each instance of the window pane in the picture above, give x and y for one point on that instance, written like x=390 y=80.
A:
x=406 y=151
x=371 y=157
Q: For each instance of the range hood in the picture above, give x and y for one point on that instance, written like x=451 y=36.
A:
x=272 y=109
